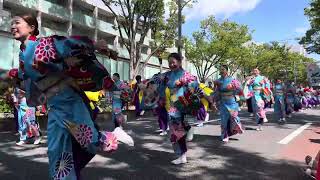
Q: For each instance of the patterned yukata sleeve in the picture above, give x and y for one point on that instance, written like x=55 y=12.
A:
x=268 y=85
x=188 y=80
x=125 y=92
x=238 y=90
x=80 y=47
x=47 y=58
x=160 y=80
x=191 y=83
x=216 y=93
x=57 y=53
x=266 y=89
x=250 y=87
x=77 y=54
x=191 y=98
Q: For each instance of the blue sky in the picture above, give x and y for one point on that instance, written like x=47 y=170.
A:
x=271 y=20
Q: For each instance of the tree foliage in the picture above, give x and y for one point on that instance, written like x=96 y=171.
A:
x=312 y=37
x=164 y=32
x=137 y=18
x=216 y=43
x=229 y=43
x=276 y=61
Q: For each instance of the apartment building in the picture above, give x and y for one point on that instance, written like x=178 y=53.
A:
x=72 y=17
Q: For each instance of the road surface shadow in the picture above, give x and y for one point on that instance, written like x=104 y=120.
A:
x=250 y=128
x=208 y=159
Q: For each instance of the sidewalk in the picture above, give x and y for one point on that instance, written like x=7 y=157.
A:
x=307 y=143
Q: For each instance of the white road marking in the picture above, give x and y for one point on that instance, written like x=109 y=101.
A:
x=294 y=134
x=204 y=122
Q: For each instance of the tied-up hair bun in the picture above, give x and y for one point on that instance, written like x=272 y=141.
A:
x=32 y=21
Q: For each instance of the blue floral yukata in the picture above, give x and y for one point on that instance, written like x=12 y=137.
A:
x=259 y=89
x=56 y=70
x=117 y=90
x=27 y=125
x=178 y=85
x=279 y=100
x=225 y=91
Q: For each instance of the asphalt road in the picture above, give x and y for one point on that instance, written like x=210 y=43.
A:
x=251 y=156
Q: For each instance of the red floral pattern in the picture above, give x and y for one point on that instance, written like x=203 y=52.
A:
x=45 y=50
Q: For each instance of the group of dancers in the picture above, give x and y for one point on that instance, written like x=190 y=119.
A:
x=64 y=74
x=287 y=99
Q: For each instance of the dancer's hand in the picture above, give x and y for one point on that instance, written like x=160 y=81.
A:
x=178 y=83
x=100 y=44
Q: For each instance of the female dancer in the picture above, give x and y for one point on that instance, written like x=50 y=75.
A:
x=48 y=68
x=290 y=99
x=203 y=113
x=226 y=88
x=260 y=91
x=138 y=97
x=279 y=104
x=161 y=104
x=177 y=83
x=27 y=125
x=117 y=101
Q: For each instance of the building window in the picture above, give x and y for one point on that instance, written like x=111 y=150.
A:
x=150 y=71
x=53 y=27
x=119 y=66
x=9 y=50
x=126 y=71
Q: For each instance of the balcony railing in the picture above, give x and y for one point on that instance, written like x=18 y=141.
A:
x=107 y=27
x=153 y=60
x=123 y=52
x=83 y=19
x=54 y=9
x=45 y=31
x=32 y=4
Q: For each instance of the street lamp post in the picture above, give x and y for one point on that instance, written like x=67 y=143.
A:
x=179 y=26
x=295 y=72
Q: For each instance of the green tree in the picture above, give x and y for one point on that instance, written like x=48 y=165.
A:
x=136 y=18
x=312 y=37
x=242 y=60
x=276 y=61
x=216 y=43
x=164 y=30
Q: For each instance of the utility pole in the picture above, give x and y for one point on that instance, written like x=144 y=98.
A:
x=179 y=26
x=295 y=72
